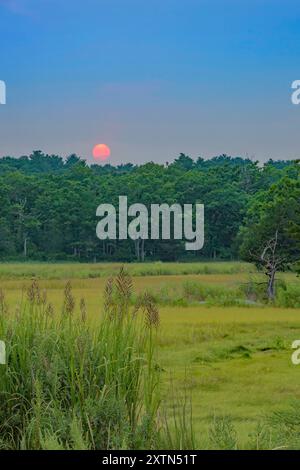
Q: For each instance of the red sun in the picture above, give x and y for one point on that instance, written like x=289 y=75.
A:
x=101 y=152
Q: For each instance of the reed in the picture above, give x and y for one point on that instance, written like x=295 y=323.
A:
x=70 y=385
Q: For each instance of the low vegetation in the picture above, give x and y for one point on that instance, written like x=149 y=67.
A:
x=69 y=386
x=92 y=364
x=248 y=294
x=21 y=271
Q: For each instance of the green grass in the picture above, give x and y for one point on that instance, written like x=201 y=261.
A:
x=98 y=270
x=70 y=385
x=234 y=362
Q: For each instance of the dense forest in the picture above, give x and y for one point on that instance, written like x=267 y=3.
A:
x=48 y=207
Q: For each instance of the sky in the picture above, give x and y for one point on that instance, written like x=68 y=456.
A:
x=150 y=78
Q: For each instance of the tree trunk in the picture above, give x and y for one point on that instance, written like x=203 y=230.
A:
x=271 y=262
x=142 y=250
x=137 y=249
x=271 y=285
x=25 y=247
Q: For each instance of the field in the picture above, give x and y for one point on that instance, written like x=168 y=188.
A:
x=233 y=359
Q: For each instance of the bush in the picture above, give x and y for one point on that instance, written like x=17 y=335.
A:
x=254 y=290
x=288 y=296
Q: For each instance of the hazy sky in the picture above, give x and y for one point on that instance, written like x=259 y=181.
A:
x=150 y=78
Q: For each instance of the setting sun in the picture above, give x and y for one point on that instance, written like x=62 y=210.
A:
x=101 y=152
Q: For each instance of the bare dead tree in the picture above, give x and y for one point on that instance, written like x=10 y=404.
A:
x=271 y=262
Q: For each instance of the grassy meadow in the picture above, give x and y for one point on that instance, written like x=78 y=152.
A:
x=219 y=344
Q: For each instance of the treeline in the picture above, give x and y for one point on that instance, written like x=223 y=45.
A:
x=48 y=204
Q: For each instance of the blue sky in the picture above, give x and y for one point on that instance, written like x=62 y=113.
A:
x=150 y=78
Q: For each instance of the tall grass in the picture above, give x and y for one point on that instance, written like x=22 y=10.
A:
x=67 y=385
x=279 y=430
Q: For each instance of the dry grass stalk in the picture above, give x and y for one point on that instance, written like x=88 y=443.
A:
x=34 y=293
x=83 y=310
x=69 y=301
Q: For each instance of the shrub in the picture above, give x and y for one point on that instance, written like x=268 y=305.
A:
x=288 y=296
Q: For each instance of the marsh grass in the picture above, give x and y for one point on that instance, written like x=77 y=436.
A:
x=247 y=294
x=195 y=293
x=68 y=385
x=178 y=424
x=50 y=405
x=222 y=434
x=279 y=430
x=100 y=270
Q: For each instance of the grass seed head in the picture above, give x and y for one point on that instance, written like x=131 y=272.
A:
x=49 y=311
x=69 y=301
x=34 y=293
x=151 y=311
x=124 y=285
x=3 y=304
x=83 y=310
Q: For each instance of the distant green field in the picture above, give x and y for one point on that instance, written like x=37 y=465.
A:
x=86 y=271
x=234 y=361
